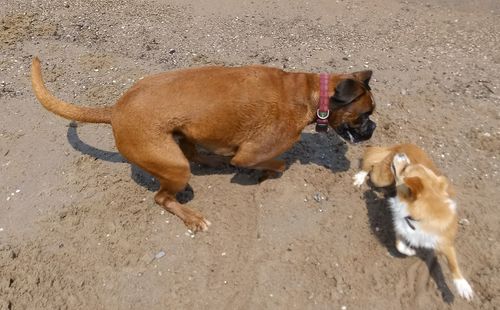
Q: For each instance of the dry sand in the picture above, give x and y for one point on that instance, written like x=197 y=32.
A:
x=78 y=225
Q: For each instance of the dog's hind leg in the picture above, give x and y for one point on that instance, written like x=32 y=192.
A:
x=163 y=158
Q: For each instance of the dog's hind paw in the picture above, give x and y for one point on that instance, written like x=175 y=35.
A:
x=359 y=178
x=464 y=289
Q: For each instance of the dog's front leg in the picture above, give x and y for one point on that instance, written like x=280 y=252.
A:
x=190 y=151
x=270 y=169
x=403 y=248
x=463 y=287
x=254 y=156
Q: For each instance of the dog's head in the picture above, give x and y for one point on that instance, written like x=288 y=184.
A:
x=421 y=188
x=351 y=105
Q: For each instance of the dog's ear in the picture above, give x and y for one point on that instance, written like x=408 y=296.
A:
x=415 y=185
x=443 y=184
x=364 y=77
x=345 y=92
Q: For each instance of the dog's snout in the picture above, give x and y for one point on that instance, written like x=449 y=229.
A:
x=401 y=157
x=371 y=125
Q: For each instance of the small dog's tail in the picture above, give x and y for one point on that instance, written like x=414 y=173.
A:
x=62 y=108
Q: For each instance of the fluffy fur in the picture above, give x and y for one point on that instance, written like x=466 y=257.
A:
x=423 y=210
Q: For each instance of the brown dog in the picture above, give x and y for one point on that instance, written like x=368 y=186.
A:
x=252 y=113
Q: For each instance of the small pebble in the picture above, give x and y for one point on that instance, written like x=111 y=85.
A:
x=464 y=222
x=159 y=254
x=223 y=254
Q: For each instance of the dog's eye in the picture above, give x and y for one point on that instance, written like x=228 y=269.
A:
x=362 y=118
x=357 y=122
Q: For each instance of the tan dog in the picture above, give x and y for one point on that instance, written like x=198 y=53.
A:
x=251 y=113
x=424 y=212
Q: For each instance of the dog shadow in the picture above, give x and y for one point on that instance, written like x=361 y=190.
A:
x=437 y=274
x=141 y=177
x=380 y=218
x=326 y=150
x=323 y=149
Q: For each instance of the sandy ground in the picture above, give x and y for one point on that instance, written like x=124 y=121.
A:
x=78 y=225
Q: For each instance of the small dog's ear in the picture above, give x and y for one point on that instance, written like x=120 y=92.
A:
x=443 y=183
x=345 y=92
x=364 y=77
x=415 y=185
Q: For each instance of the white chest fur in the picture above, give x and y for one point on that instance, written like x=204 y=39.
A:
x=415 y=237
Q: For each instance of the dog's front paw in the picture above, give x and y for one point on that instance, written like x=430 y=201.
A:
x=195 y=221
x=359 y=178
x=404 y=249
x=464 y=289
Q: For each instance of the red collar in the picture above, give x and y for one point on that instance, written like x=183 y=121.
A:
x=323 y=111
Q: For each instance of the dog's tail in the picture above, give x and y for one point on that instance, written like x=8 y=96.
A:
x=62 y=108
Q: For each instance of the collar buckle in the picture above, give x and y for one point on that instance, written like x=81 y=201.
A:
x=322 y=114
